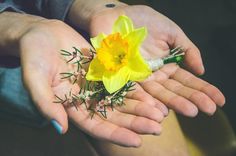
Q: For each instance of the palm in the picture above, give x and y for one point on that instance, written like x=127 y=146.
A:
x=161 y=30
x=42 y=62
x=170 y=88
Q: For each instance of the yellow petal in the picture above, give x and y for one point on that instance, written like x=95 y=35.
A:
x=139 y=69
x=115 y=81
x=123 y=25
x=136 y=37
x=96 y=41
x=96 y=70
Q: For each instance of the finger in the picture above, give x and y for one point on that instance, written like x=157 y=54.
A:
x=139 y=108
x=102 y=129
x=201 y=100
x=43 y=97
x=189 y=80
x=192 y=81
x=192 y=58
x=141 y=95
x=172 y=100
x=135 y=123
x=162 y=107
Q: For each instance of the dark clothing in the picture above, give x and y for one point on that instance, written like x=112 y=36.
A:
x=53 y=9
x=15 y=102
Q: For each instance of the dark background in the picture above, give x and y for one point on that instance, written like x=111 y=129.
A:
x=210 y=24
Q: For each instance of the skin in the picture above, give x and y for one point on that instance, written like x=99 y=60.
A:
x=180 y=90
x=171 y=86
x=38 y=43
x=152 y=145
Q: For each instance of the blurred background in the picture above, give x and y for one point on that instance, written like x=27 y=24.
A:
x=211 y=25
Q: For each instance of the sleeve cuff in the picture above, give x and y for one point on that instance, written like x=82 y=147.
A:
x=58 y=9
x=54 y=9
x=9 y=7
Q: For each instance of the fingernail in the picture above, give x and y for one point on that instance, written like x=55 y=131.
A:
x=202 y=69
x=57 y=126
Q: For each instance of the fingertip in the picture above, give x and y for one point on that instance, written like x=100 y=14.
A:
x=189 y=110
x=137 y=142
x=220 y=99
x=222 y=102
x=199 y=70
x=153 y=128
x=192 y=112
x=57 y=126
x=158 y=130
x=62 y=119
x=167 y=113
x=65 y=128
x=159 y=105
x=192 y=58
x=215 y=94
x=183 y=106
x=56 y=114
x=193 y=61
x=211 y=109
x=158 y=116
x=60 y=124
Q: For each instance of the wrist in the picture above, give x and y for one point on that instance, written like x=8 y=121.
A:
x=82 y=12
x=12 y=27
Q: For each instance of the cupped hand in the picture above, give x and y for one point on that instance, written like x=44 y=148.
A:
x=163 y=34
x=183 y=91
x=42 y=64
x=175 y=87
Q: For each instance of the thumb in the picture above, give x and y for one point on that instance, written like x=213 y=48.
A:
x=41 y=92
x=193 y=59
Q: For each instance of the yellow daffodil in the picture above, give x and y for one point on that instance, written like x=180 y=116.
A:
x=118 y=58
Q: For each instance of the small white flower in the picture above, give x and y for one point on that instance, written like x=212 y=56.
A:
x=124 y=93
x=100 y=108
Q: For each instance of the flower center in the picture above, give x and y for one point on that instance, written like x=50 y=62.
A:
x=113 y=53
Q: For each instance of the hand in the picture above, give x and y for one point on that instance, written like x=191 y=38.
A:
x=42 y=64
x=183 y=91
x=164 y=34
